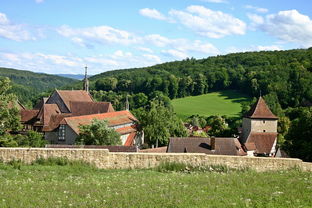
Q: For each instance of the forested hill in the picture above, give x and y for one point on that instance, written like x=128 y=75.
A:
x=283 y=76
x=27 y=85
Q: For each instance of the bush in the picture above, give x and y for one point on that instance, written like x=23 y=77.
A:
x=59 y=161
x=16 y=164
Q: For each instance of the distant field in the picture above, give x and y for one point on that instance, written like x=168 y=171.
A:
x=70 y=186
x=216 y=103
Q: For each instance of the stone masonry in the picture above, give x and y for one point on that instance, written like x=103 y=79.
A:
x=102 y=158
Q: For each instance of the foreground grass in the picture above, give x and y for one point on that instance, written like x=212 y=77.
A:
x=216 y=103
x=83 y=186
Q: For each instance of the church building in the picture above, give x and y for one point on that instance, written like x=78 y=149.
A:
x=259 y=135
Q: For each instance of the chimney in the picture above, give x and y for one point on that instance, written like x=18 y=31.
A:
x=212 y=143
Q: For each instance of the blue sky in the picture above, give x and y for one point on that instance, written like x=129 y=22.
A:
x=62 y=36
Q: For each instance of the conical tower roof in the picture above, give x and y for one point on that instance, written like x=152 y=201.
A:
x=260 y=110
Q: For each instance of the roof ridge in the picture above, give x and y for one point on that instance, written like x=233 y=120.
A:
x=260 y=110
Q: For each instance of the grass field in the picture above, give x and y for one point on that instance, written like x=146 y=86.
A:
x=215 y=103
x=82 y=186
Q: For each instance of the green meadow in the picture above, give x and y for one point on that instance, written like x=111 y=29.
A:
x=85 y=186
x=226 y=102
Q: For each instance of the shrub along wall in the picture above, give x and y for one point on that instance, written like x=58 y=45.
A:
x=102 y=158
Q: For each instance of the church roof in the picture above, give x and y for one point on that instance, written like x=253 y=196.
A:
x=87 y=108
x=74 y=96
x=260 y=110
x=114 y=119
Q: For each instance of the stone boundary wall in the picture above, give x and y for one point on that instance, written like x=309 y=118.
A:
x=102 y=158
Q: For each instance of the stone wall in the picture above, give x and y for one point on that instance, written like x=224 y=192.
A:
x=102 y=158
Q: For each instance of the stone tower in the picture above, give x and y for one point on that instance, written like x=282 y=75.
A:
x=260 y=129
x=85 y=80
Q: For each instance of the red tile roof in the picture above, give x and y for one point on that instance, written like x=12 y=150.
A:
x=223 y=146
x=126 y=130
x=130 y=139
x=263 y=141
x=87 y=108
x=74 y=96
x=113 y=118
x=46 y=112
x=28 y=115
x=260 y=110
x=155 y=150
x=54 y=122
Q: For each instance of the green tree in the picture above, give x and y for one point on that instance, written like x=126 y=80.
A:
x=299 y=138
x=31 y=139
x=98 y=133
x=159 y=123
x=9 y=113
x=106 y=84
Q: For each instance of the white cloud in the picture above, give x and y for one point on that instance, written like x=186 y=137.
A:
x=175 y=53
x=39 y=1
x=100 y=34
x=144 y=49
x=256 y=19
x=3 y=19
x=257 y=9
x=152 y=57
x=12 y=31
x=288 y=26
x=209 y=23
x=182 y=45
x=152 y=13
x=54 y=63
x=254 y=48
x=157 y=40
x=269 y=48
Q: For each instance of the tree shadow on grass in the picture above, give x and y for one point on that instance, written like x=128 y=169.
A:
x=234 y=95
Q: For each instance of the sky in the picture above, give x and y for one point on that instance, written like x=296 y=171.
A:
x=63 y=36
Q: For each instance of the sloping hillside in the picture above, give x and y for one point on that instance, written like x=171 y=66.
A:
x=285 y=76
x=27 y=85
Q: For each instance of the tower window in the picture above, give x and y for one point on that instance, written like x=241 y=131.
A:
x=263 y=121
x=263 y=130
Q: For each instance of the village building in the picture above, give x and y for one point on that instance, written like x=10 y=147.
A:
x=259 y=132
x=213 y=145
x=60 y=115
x=258 y=138
x=122 y=121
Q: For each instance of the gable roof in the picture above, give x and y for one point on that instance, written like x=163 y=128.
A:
x=260 y=110
x=223 y=146
x=262 y=142
x=87 y=108
x=28 y=115
x=74 y=96
x=113 y=118
x=46 y=112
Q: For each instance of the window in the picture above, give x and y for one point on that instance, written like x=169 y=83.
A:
x=263 y=121
x=61 y=133
x=263 y=130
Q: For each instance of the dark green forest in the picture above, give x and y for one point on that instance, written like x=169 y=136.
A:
x=29 y=85
x=284 y=77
